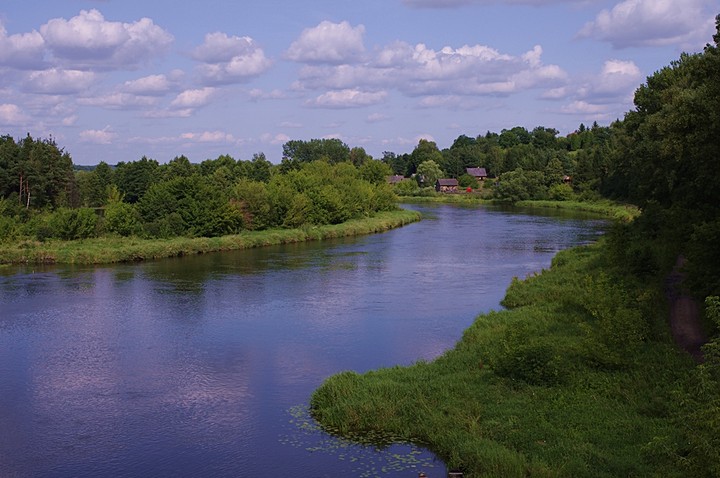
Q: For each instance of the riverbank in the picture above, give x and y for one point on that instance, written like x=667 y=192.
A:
x=106 y=250
x=578 y=377
x=605 y=208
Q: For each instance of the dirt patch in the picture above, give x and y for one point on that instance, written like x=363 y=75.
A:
x=685 y=324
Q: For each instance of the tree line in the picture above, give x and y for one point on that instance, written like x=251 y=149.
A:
x=42 y=196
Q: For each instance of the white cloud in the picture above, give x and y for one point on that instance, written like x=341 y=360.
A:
x=102 y=136
x=687 y=23
x=279 y=138
x=193 y=98
x=332 y=43
x=88 y=40
x=209 y=137
x=230 y=59
x=585 y=108
x=601 y=95
x=119 y=101
x=59 y=82
x=351 y=98
x=421 y=71
x=22 y=51
x=176 y=113
x=377 y=118
x=258 y=94
x=11 y=115
x=153 y=85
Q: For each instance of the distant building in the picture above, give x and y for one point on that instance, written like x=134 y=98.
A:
x=395 y=179
x=478 y=173
x=446 y=185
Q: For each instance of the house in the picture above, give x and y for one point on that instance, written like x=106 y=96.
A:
x=478 y=173
x=395 y=179
x=446 y=185
x=567 y=179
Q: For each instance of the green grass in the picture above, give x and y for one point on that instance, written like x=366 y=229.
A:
x=105 y=250
x=604 y=208
x=572 y=380
x=607 y=208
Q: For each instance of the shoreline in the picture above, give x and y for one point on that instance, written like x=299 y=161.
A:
x=109 y=250
x=614 y=210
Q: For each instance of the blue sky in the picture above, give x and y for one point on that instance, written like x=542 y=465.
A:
x=113 y=80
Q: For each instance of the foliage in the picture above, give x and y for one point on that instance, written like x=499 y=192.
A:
x=467 y=181
x=520 y=185
x=122 y=218
x=699 y=408
x=428 y=172
x=71 y=224
x=297 y=153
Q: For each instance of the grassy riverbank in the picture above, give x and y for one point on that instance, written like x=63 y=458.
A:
x=104 y=250
x=577 y=378
x=605 y=207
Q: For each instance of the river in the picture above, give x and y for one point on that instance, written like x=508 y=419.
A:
x=203 y=365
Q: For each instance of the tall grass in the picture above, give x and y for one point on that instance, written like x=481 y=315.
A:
x=607 y=208
x=121 y=249
x=572 y=380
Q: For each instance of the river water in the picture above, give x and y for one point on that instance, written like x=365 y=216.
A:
x=203 y=365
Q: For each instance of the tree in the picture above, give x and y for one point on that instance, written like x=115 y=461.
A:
x=296 y=152
x=375 y=172
x=520 y=185
x=133 y=179
x=424 y=151
x=428 y=173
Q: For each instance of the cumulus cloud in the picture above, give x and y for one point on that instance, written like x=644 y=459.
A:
x=350 y=98
x=258 y=94
x=56 y=81
x=422 y=71
x=209 y=137
x=22 y=51
x=11 y=115
x=633 y=23
x=193 y=98
x=230 y=59
x=88 y=40
x=332 y=43
x=610 y=90
x=119 y=101
x=95 y=136
x=376 y=118
x=278 y=138
x=584 y=108
x=153 y=85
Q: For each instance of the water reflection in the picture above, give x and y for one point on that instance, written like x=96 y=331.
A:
x=202 y=365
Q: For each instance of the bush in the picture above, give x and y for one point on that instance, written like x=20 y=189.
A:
x=561 y=192
x=122 y=218
x=71 y=224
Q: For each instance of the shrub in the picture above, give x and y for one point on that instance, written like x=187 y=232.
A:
x=71 y=224
x=122 y=218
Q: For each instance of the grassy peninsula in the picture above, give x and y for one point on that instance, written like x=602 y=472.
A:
x=578 y=377
x=125 y=249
